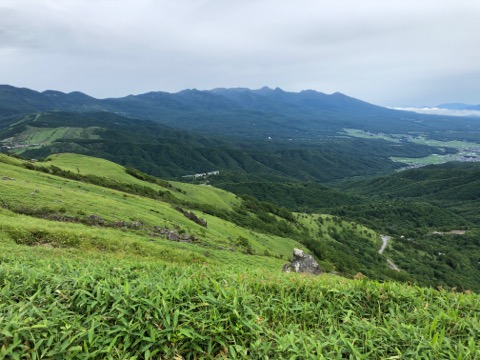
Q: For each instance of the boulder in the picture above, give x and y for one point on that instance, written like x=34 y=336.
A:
x=302 y=263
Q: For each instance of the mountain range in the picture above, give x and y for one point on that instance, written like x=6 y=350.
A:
x=264 y=113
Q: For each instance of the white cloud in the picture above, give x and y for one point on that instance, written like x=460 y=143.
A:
x=438 y=111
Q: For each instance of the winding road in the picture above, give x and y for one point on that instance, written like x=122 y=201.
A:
x=385 y=239
x=390 y=263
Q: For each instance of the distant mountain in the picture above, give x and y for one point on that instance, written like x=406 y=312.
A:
x=458 y=106
x=22 y=100
x=263 y=113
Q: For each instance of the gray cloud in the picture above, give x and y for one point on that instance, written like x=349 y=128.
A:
x=390 y=53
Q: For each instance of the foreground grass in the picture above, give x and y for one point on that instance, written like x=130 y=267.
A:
x=59 y=303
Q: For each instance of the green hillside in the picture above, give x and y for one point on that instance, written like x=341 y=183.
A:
x=454 y=186
x=87 y=270
x=78 y=190
x=72 y=202
x=81 y=191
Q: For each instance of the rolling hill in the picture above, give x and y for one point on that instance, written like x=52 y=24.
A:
x=81 y=191
x=454 y=186
x=78 y=191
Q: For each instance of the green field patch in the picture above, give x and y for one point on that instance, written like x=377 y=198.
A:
x=40 y=136
x=196 y=194
x=466 y=151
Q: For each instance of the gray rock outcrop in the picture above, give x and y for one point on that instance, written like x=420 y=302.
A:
x=302 y=263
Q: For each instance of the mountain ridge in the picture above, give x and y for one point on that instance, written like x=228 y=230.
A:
x=262 y=113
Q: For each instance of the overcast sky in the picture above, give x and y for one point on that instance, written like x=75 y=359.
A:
x=391 y=53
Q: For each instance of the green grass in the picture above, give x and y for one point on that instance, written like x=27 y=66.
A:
x=322 y=222
x=46 y=136
x=34 y=192
x=196 y=194
x=74 y=289
x=58 y=304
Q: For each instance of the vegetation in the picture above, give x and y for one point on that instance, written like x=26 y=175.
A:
x=211 y=219
x=161 y=151
x=297 y=196
x=61 y=303
x=102 y=261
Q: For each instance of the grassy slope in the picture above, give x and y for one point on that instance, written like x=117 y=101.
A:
x=124 y=293
x=34 y=135
x=29 y=189
x=93 y=166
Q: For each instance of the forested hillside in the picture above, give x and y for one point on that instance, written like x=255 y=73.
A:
x=166 y=152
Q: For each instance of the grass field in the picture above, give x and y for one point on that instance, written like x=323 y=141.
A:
x=83 y=275
x=60 y=303
x=201 y=194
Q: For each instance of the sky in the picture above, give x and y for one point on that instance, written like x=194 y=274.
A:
x=406 y=53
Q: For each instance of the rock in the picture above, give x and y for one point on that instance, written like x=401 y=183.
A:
x=95 y=220
x=302 y=263
x=191 y=216
x=173 y=235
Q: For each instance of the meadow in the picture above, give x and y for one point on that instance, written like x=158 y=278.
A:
x=85 y=274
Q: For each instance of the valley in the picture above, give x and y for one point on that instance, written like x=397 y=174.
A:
x=162 y=232
x=464 y=151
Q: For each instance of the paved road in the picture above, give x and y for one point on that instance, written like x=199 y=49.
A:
x=385 y=239
x=390 y=263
